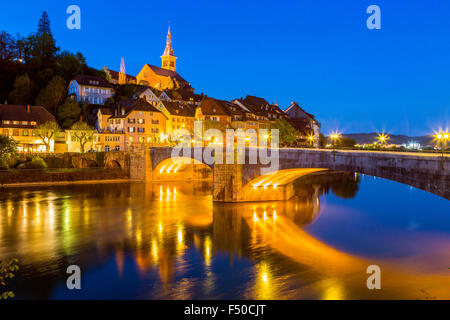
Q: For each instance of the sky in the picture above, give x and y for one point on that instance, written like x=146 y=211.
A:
x=319 y=53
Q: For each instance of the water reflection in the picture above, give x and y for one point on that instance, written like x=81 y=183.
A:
x=168 y=240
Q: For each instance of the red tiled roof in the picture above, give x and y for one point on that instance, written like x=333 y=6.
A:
x=214 y=107
x=169 y=73
x=11 y=112
x=133 y=105
x=115 y=75
x=179 y=108
x=92 y=81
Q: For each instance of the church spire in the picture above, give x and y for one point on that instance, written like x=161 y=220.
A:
x=168 y=58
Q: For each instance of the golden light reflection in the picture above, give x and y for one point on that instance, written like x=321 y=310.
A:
x=264 y=285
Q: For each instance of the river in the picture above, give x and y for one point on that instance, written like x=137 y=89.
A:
x=170 y=241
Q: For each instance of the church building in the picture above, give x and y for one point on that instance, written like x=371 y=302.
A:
x=166 y=76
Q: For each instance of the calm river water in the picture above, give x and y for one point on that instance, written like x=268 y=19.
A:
x=169 y=241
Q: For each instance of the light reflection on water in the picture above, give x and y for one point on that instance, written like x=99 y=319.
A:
x=168 y=241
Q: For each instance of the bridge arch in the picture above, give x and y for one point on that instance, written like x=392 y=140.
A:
x=181 y=168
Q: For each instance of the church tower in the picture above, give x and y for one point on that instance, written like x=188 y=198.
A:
x=168 y=59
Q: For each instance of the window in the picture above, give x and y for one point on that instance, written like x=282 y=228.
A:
x=25 y=133
x=15 y=132
x=117 y=121
x=15 y=122
x=141 y=139
x=141 y=130
x=24 y=123
x=106 y=148
x=5 y=132
x=33 y=123
x=117 y=148
x=155 y=121
x=141 y=121
x=130 y=129
x=131 y=120
x=6 y=121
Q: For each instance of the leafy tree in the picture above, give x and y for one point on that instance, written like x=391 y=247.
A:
x=7 y=270
x=346 y=142
x=322 y=140
x=68 y=65
x=8 y=48
x=35 y=163
x=52 y=96
x=287 y=134
x=24 y=91
x=8 y=149
x=46 y=131
x=69 y=113
x=83 y=133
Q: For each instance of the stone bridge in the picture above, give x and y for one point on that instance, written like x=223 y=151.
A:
x=248 y=182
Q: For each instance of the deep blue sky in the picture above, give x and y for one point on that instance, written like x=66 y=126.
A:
x=319 y=53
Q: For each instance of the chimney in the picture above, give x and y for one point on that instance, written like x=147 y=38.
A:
x=123 y=111
x=28 y=108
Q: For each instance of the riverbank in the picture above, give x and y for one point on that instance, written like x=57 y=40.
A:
x=34 y=177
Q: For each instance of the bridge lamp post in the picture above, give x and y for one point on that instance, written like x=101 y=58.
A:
x=334 y=137
x=442 y=137
x=383 y=139
x=311 y=140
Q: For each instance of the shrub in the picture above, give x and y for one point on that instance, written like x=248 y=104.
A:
x=35 y=163
x=3 y=163
x=7 y=270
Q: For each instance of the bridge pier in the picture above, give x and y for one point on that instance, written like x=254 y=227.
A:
x=230 y=185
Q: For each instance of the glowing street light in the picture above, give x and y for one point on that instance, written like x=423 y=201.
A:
x=311 y=140
x=334 y=137
x=442 y=137
x=382 y=139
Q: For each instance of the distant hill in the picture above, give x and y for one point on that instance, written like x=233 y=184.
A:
x=369 y=138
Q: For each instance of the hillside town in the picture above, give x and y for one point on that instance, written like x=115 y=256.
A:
x=122 y=112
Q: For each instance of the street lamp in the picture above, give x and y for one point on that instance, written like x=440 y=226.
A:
x=442 y=138
x=311 y=140
x=334 y=136
x=383 y=138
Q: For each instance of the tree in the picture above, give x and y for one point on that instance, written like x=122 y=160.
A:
x=287 y=134
x=322 y=140
x=44 y=24
x=69 y=65
x=346 y=142
x=47 y=131
x=83 y=133
x=52 y=96
x=8 y=149
x=7 y=270
x=8 y=48
x=69 y=113
x=24 y=91
x=45 y=47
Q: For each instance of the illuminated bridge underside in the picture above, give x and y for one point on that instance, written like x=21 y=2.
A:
x=275 y=185
x=234 y=182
